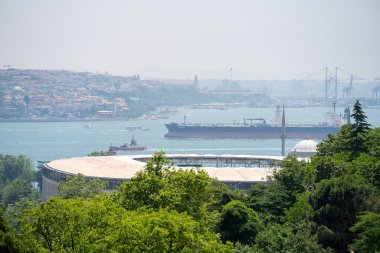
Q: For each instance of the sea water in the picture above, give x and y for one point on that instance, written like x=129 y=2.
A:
x=46 y=141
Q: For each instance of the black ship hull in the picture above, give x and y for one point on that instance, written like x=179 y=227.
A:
x=248 y=132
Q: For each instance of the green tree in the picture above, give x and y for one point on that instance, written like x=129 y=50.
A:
x=328 y=166
x=238 y=223
x=373 y=142
x=269 y=200
x=70 y=225
x=188 y=191
x=292 y=175
x=145 y=187
x=99 y=225
x=301 y=211
x=8 y=241
x=18 y=189
x=368 y=167
x=340 y=142
x=12 y=167
x=162 y=231
x=323 y=166
x=162 y=186
x=80 y=186
x=351 y=138
x=337 y=202
x=14 y=212
x=243 y=248
x=222 y=195
x=368 y=233
x=359 y=130
x=284 y=238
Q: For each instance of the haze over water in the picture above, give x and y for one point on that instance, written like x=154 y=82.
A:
x=45 y=141
x=259 y=39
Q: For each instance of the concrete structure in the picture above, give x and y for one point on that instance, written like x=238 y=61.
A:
x=237 y=171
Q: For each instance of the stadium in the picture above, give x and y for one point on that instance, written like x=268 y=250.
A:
x=238 y=172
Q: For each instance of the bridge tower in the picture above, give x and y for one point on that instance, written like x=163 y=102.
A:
x=331 y=85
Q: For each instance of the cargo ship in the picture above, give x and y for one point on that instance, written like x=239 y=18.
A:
x=256 y=129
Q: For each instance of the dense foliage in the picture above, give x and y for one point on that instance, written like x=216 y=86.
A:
x=328 y=204
x=160 y=186
x=80 y=186
x=238 y=223
x=16 y=179
x=368 y=233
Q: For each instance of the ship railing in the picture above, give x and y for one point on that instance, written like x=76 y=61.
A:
x=214 y=124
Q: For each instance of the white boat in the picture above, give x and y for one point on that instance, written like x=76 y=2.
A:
x=135 y=128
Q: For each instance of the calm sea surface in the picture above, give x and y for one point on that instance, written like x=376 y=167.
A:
x=45 y=141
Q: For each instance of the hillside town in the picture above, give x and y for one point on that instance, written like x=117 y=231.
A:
x=64 y=94
x=67 y=95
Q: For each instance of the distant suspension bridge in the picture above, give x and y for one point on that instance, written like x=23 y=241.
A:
x=331 y=78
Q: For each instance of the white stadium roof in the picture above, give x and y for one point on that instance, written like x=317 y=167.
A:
x=125 y=167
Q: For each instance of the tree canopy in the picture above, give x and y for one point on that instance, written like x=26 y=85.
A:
x=13 y=167
x=162 y=186
x=359 y=130
x=368 y=233
x=337 y=202
x=80 y=186
x=238 y=223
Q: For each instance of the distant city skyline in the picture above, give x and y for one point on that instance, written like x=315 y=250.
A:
x=258 y=39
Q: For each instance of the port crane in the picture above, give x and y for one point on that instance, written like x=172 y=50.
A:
x=331 y=83
x=348 y=91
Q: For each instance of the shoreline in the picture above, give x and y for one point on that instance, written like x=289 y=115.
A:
x=151 y=117
x=62 y=120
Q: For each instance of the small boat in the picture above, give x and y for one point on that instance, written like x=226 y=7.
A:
x=135 y=128
x=87 y=126
x=133 y=146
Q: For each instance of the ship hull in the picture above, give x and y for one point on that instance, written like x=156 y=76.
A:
x=249 y=132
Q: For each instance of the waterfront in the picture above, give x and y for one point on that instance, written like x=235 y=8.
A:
x=45 y=141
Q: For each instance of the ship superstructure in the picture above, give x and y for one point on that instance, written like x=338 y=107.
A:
x=133 y=146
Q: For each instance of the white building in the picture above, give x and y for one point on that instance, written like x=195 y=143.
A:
x=304 y=149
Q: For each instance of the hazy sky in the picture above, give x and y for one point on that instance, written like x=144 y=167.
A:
x=268 y=39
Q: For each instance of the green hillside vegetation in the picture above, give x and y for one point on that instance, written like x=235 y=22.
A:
x=330 y=204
